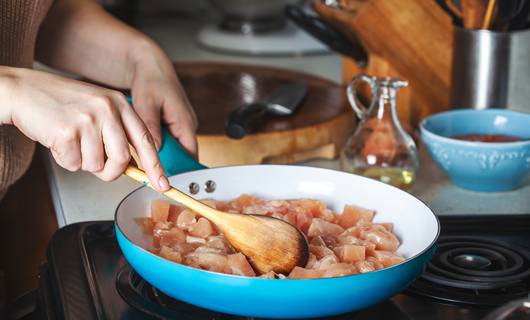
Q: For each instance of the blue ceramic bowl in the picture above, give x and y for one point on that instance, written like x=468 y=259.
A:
x=480 y=166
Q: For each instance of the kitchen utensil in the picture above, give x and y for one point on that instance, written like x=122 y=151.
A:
x=490 y=69
x=414 y=223
x=488 y=17
x=480 y=166
x=270 y=244
x=282 y=102
x=306 y=19
x=380 y=148
x=454 y=12
x=473 y=13
x=412 y=44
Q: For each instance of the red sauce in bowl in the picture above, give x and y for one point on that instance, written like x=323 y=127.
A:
x=488 y=138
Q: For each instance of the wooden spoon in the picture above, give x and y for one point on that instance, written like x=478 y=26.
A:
x=270 y=244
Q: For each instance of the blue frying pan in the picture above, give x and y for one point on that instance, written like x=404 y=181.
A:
x=414 y=223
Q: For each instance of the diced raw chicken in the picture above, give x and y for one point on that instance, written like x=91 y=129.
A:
x=353 y=214
x=325 y=262
x=315 y=208
x=303 y=221
x=311 y=261
x=383 y=239
x=185 y=219
x=174 y=212
x=147 y=224
x=171 y=237
x=374 y=262
x=159 y=210
x=170 y=254
x=197 y=240
x=303 y=273
x=239 y=265
x=202 y=228
x=350 y=253
x=208 y=261
x=387 y=225
x=339 y=270
x=320 y=227
x=186 y=248
x=317 y=241
x=219 y=243
x=321 y=251
x=339 y=245
x=388 y=258
x=364 y=266
x=268 y=275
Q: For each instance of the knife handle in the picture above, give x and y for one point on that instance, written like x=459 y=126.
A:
x=245 y=119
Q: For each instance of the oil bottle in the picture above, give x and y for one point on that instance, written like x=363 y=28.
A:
x=379 y=148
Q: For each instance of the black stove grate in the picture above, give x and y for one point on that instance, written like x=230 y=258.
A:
x=475 y=271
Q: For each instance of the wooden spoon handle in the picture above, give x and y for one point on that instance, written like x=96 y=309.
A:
x=178 y=196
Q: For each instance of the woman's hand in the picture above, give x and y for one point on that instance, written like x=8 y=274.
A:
x=158 y=96
x=85 y=127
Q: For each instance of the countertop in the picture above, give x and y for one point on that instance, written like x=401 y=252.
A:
x=82 y=197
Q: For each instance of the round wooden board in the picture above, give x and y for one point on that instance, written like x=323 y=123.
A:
x=317 y=129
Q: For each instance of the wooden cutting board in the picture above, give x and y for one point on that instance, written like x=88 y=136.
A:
x=318 y=129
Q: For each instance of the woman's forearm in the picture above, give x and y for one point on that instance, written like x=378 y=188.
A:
x=81 y=37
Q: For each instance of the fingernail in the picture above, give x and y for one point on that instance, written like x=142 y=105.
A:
x=163 y=183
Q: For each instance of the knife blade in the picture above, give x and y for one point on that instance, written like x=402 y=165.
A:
x=281 y=102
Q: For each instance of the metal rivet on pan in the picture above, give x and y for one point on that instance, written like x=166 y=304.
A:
x=194 y=188
x=209 y=186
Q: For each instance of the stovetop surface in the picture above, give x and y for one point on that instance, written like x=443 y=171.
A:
x=85 y=267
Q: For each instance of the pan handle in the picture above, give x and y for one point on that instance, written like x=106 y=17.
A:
x=174 y=158
x=309 y=21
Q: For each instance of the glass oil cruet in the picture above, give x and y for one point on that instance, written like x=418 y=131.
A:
x=379 y=148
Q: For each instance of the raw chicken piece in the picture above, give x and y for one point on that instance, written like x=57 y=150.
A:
x=239 y=265
x=388 y=226
x=291 y=218
x=202 y=228
x=311 y=261
x=268 y=275
x=197 y=240
x=353 y=214
x=170 y=254
x=388 y=258
x=320 y=227
x=339 y=270
x=303 y=221
x=185 y=248
x=382 y=238
x=208 y=261
x=311 y=207
x=325 y=262
x=244 y=201
x=303 y=273
x=317 y=241
x=174 y=212
x=185 y=219
x=364 y=266
x=219 y=243
x=321 y=251
x=171 y=237
x=349 y=239
x=147 y=225
x=350 y=253
x=159 y=210
x=374 y=262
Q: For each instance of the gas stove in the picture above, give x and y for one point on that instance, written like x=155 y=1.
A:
x=482 y=262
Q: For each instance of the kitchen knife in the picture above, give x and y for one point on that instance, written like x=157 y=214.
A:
x=282 y=102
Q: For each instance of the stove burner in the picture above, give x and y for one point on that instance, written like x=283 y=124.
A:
x=142 y=296
x=475 y=270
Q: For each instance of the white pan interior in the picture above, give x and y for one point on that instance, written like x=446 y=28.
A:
x=414 y=223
